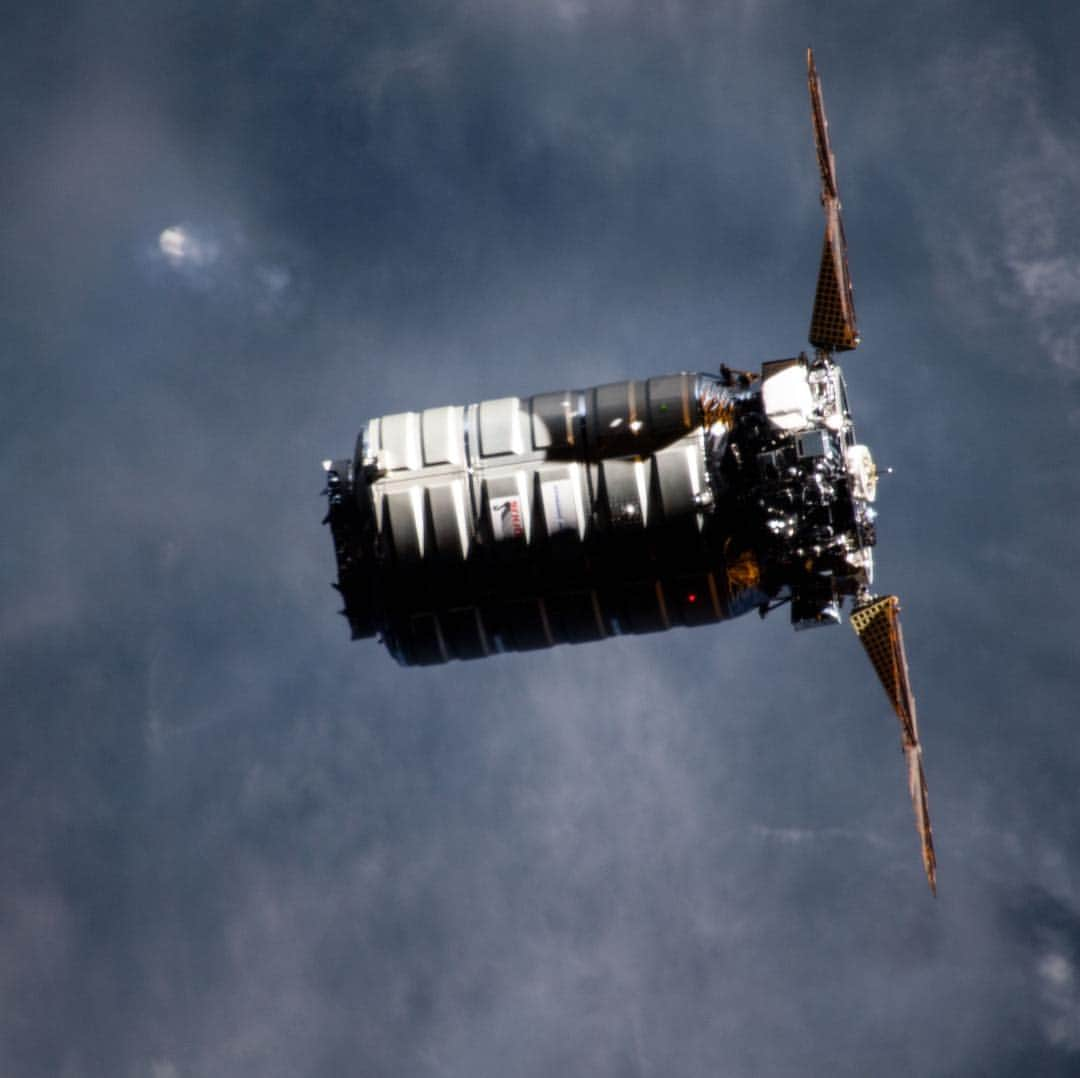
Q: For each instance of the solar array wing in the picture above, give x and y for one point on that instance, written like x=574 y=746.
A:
x=878 y=624
x=832 y=324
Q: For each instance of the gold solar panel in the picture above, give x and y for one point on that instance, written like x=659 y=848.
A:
x=832 y=324
x=826 y=161
x=878 y=626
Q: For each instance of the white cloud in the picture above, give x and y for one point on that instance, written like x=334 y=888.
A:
x=223 y=261
x=183 y=248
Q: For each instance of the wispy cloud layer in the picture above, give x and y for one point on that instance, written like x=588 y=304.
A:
x=1015 y=158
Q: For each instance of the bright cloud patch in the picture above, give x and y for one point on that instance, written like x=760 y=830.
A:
x=225 y=263
x=181 y=248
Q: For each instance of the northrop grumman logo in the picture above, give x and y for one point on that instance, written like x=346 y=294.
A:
x=506 y=518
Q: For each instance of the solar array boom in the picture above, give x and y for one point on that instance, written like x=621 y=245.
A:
x=877 y=624
x=832 y=324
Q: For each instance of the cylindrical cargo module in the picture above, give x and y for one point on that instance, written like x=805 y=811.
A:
x=520 y=523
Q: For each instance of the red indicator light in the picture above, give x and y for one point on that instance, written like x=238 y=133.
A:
x=691 y=597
